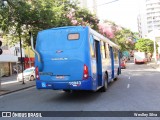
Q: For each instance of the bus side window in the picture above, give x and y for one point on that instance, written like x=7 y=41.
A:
x=115 y=51
x=106 y=50
x=92 y=46
x=102 y=50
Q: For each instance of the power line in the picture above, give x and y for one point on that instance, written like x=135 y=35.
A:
x=108 y=2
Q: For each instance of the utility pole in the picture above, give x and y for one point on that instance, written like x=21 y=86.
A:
x=154 y=38
x=21 y=58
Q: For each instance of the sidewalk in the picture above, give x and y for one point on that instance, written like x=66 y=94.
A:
x=13 y=86
x=154 y=65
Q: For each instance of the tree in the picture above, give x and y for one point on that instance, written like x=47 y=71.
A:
x=119 y=35
x=124 y=38
x=82 y=16
x=108 y=29
x=22 y=16
x=145 y=45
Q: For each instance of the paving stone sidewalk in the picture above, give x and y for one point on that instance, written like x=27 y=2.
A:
x=13 y=86
x=154 y=65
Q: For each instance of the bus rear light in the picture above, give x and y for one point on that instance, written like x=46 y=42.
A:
x=37 y=73
x=85 y=72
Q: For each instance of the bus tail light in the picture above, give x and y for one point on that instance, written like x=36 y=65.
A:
x=37 y=74
x=85 y=72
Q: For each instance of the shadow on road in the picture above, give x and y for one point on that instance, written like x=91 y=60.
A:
x=82 y=96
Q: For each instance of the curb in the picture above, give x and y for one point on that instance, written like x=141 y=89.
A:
x=157 y=68
x=12 y=91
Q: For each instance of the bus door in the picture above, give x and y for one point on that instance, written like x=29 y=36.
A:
x=99 y=62
x=112 y=61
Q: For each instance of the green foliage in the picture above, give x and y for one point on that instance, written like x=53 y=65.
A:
x=145 y=45
x=124 y=38
x=22 y=16
x=84 y=17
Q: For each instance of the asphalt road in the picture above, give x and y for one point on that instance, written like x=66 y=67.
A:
x=137 y=89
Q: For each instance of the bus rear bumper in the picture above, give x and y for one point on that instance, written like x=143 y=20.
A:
x=66 y=85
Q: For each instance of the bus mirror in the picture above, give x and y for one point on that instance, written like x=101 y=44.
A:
x=38 y=55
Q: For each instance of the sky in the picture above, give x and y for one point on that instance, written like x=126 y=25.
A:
x=122 y=12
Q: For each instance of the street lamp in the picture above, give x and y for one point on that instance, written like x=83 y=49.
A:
x=5 y=3
x=154 y=37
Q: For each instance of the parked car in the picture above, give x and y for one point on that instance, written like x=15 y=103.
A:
x=123 y=64
x=28 y=74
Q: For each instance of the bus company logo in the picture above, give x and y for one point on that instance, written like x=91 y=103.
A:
x=6 y=114
x=59 y=59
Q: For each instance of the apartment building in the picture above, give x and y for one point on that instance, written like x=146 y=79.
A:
x=153 y=14
x=142 y=25
x=149 y=19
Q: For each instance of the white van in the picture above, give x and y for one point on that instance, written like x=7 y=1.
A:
x=140 y=57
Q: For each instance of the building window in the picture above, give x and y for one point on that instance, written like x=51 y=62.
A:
x=92 y=47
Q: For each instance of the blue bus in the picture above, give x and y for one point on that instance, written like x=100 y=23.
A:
x=75 y=58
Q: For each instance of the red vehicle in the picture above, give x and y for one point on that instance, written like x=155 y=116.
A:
x=140 y=57
x=123 y=64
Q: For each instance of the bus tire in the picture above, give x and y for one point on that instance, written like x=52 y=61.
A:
x=105 y=86
x=118 y=71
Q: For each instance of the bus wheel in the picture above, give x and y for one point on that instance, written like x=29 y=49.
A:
x=104 y=88
x=118 y=71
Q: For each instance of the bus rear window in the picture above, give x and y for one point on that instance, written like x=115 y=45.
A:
x=73 y=36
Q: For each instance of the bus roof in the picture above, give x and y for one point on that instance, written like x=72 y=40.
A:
x=95 y=33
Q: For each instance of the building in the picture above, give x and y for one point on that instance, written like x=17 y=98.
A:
x=149 y=19
x=153 y=14
x=142 y=25
x=29 y=57
x=9 y=59
x=89 y=4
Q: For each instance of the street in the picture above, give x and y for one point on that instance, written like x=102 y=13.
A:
x=137 y=89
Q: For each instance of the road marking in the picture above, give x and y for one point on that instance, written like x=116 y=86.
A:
x=128 y=85
x=129 y=77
